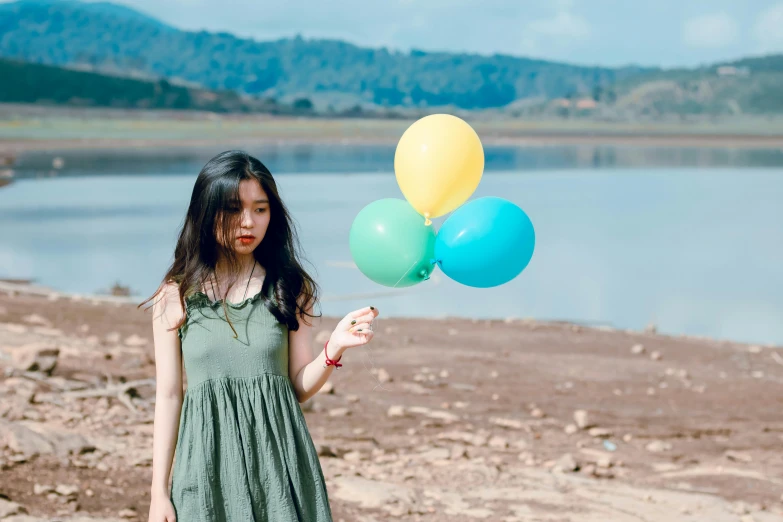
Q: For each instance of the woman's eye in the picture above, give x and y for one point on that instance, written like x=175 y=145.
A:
x=260 y=210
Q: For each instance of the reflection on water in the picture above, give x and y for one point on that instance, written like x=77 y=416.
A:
x=303 y=158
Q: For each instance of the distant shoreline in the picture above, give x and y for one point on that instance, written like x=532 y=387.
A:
x=26 y=129
x=18 y=146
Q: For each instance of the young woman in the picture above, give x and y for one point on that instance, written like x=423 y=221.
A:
x=233 y=308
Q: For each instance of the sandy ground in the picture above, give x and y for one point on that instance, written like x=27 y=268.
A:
x=436 y=420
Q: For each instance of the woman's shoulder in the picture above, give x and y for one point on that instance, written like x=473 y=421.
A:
x=167 y=301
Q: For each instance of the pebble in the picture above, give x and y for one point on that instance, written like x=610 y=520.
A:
x=383 y=375
x=66 y=490
x=600 y=433
x=658 y=446
x=581 y=419
x=353 y=456
x=637 y=349
x=570 y=429
x=396 y=411
x=127 y=513
x=498 y=442
x=754 y=349
x=656 y=356
x=136 y=341
x=41 y=489
x=506 y=423
x=566 y=463
x=537 y=414
x=37 y=320
x=339 y=412
x=738 y=457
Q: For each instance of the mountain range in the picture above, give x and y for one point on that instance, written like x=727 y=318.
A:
x=115 y=40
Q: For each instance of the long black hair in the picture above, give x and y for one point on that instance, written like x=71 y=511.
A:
x=198 y=250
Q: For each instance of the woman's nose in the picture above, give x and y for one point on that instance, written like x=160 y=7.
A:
x=247 y=219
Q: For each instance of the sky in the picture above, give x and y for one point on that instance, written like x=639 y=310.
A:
x=667 y=33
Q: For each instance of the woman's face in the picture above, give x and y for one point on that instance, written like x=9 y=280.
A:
x=253 y=214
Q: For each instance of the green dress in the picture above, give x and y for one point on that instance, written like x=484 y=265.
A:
x=244 y=452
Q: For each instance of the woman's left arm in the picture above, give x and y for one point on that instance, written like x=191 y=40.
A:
x=308 y=374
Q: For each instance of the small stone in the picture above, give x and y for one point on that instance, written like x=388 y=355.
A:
x=453 y=331
x=383 y=375
x=457 y=452
x=353 y=456
x=396 y=411
x=112 y=338
x=66 y=490
x=537 y=413
x=627 y=437
x=650 y=391
x=566 y=463
x=339 y=412
x=506 y=423
x=136 y=341
x=495 y=396
x=42 y=489
x=327 y=388
x=581 y=419
x=493 y=374
x=658 y=446
x=8 y=508
x=108 y=482
x=570 y=429
x=89 y=492
x=36 y=319
x=498 y=442
x=754 y=349
x=738 y=457
x=757 y=374
x=637 y=349
x=37 y=357
x=601 y=433
x=656 y=356
x=352 y=398
x=604 y=462
x=127 y=513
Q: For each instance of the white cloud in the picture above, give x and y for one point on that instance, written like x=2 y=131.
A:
x=710 y=31
x=768 y=30
x=561 y=30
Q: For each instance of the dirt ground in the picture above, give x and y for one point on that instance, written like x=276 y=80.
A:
x=435 y=420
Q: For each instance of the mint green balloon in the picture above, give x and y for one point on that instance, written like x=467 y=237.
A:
x=391 y=245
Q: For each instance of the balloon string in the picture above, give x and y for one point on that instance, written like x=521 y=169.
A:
x=366 y=347
x=406 y=273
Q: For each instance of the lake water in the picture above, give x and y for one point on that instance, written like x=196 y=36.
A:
x=688 y=239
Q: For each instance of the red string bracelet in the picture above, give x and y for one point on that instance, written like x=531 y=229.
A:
x=331 y=362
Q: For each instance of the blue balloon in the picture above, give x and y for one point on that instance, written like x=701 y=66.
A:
x=486 y=242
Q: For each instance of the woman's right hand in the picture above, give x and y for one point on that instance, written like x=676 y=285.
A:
x=161 y=509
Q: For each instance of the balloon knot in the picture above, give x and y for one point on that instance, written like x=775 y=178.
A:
x=428 y=222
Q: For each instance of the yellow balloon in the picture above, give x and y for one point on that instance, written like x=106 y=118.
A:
x=438 y=163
